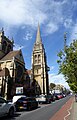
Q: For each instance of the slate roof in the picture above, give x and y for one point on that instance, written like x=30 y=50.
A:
x=10 y=55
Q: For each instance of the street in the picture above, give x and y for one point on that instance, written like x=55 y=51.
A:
x=43 y=112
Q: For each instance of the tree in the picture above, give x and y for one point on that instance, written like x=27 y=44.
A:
x=68 y=64
x=52 y=85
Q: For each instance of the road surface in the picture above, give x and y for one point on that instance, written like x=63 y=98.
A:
x=43 y=112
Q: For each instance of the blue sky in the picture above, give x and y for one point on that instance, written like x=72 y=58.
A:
x=20 y=18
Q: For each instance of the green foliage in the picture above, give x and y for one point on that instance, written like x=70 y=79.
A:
x=52 y=85
x=68 y=64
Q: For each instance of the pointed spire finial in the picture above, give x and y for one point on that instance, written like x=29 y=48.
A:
x=38 y=36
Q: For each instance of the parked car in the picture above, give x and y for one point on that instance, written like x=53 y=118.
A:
x=6 y=108
x=58 y=96
x=43 y=98
x=16 y=97
x=64 y=95
x=52 y=97
x=26 y=103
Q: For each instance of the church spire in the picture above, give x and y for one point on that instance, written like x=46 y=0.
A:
x=38 y=37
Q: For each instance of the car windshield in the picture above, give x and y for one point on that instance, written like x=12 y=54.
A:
x=26 y=99
x=23 y=98
x=57 y=94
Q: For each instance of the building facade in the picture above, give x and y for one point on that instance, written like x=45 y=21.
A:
x=39 y=67
x=12 y=68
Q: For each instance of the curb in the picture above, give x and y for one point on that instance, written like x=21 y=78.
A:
x=65 y=112
x=72 y=111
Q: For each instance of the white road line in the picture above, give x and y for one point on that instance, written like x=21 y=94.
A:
x=68 y=110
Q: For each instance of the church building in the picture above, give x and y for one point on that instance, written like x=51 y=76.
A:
x=12 y=69
x=39 y=66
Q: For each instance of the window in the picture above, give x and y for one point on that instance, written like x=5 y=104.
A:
x=19 y=72
x=35 y=57
x=4 y=46
x=8 y=48
x=37 y=71
x=35 y=61
x=39 y=58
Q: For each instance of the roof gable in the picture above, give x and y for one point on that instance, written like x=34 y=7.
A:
x=13 y=54
x=20 y=56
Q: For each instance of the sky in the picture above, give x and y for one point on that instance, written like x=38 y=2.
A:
x=20 y=19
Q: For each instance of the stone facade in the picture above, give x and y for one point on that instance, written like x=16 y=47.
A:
x=39 y=66
x=12 y=68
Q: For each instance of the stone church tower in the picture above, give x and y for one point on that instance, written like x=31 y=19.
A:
x=6 y=45
x=39 y=66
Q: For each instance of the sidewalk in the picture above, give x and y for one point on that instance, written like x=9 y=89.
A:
x=73 y=115
x=66 y=111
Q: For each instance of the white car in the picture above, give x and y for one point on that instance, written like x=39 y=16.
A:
x=6 y=108
x=43 y=99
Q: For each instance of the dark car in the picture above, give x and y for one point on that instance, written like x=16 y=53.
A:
x=26 y=103
x=52 y=97
x=58 y=96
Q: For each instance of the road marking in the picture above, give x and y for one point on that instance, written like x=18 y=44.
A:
x=68 y=110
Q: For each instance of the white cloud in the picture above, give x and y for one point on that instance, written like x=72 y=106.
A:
x=18 y=47
x=52 y=67
x=12 y=12
x=51 y=28
x=68 y=23
x=29 y=12
x=27 y=36
x=17 y=12
x=74 y=32
x=58 y=79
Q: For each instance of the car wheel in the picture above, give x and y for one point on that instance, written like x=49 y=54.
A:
x=11 y=112
x=37 y=105
x=17 y=109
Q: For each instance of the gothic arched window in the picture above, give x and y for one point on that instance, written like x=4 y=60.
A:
x=8 y=48
x=19 y=73
x=39 y=58
x=35 y=58
x=4 y=45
